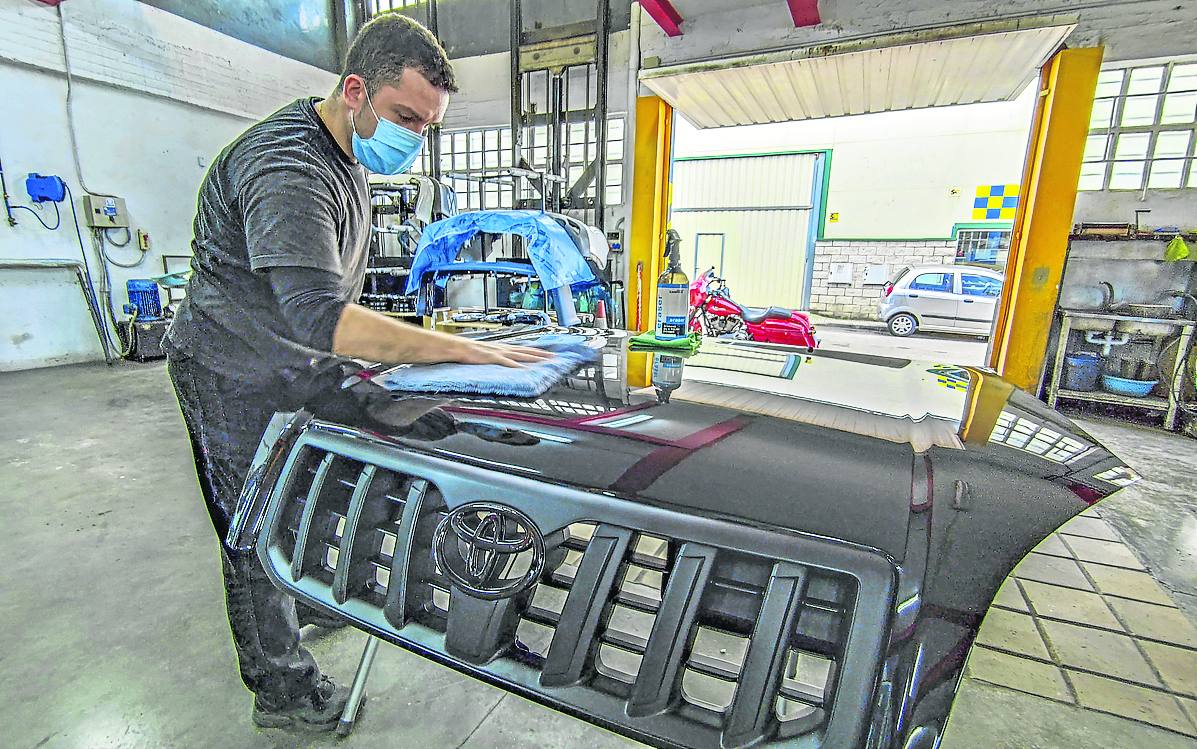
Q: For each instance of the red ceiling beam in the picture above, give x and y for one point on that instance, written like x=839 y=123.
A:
x=666 y=16
x=804 y=12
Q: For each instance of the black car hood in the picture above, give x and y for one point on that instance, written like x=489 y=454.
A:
x=834 y=445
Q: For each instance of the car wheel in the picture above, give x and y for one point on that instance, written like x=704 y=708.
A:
x=903 y=325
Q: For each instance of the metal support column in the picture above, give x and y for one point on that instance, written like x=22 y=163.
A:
x=434 y=132
x=602 y=47
x=517 y=96
x=650 y=198
x=1045 y=211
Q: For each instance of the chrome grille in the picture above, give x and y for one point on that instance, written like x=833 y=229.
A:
x=738 y=647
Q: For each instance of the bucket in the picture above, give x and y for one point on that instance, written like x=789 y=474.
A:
x=1081 y=371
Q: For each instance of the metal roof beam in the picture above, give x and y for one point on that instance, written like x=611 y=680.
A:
x=666 y=16
x=804 y=12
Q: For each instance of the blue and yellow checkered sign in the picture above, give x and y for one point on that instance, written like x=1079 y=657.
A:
x=952 y=378
x=995 y=202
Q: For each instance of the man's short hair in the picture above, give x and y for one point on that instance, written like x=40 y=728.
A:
x=389 y=44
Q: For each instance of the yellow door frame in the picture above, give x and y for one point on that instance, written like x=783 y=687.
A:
x=1044 y=219
x=650 y=218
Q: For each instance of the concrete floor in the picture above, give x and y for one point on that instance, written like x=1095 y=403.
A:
x=937 y=347
x=112 y=629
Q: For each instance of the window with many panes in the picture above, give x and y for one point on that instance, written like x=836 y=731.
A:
x=982 y=246
x=382 y=6
x=1143 y=128
x=467 y=155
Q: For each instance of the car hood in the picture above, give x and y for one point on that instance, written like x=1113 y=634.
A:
x=834 y=445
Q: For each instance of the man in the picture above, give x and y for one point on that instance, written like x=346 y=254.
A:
x=281 y=233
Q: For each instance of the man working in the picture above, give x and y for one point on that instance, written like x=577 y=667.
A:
x=281 y=234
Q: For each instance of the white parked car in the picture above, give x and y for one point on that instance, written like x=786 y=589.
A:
x=945 y=298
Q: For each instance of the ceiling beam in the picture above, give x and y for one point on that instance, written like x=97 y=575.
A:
x=666 y=16
x=804 y=12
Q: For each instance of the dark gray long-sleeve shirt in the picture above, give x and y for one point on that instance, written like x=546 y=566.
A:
x=281 y=196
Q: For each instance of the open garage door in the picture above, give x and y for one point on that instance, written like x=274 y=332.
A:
x=752 y=217
x=980 y=62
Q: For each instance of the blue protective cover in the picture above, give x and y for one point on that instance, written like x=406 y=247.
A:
x=475 y=266
x=493 y=379
x=557 y=260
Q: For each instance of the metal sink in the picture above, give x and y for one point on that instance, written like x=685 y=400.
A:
x=1077 y=320
x=1091 y=324
x=1153 y=311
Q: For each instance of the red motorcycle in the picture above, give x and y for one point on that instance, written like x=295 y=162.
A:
x=714 y=313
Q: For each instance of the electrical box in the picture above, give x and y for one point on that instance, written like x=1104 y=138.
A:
x=105 y=212
x=876 y=274
x=839 y=273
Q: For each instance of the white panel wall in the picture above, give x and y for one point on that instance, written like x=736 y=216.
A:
x=764 y=257
x=768 y=181
x=156 y=98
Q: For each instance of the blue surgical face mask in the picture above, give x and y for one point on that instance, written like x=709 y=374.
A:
x=391 y=150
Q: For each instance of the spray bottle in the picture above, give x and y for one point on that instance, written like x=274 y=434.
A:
x=673 y=294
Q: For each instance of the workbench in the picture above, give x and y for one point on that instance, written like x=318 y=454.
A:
x=1169 y=405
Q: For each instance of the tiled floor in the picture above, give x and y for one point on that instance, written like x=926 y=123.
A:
x=1082 y=622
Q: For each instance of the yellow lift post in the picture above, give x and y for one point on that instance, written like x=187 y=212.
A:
x=1044 y=219
x=650 y=218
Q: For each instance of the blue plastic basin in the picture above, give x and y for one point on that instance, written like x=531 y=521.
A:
x=1123 y=386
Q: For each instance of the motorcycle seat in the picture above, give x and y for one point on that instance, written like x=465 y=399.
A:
x=760 y=314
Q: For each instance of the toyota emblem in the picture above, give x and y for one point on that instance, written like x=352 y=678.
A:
x=489 y=550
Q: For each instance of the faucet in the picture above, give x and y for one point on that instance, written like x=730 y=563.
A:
x=1185 y=297
x=1107 y=294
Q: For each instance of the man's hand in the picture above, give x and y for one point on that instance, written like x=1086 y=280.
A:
x=365 y=334
x=481 y=352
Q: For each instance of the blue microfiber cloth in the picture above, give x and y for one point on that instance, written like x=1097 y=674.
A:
x=529 y=381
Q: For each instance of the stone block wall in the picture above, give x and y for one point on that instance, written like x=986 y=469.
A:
x=858 y=300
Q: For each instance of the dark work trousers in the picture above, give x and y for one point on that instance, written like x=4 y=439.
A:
x=225 y=420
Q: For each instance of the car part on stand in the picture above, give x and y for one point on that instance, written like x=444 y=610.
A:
x=666 y=613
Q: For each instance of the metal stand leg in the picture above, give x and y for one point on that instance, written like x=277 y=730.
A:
x=357 y=693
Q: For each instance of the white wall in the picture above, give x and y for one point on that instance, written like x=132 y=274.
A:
x=892 y=174
x=156 y=97
x=1168 y=207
